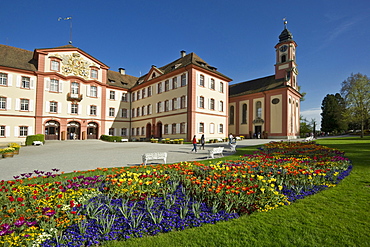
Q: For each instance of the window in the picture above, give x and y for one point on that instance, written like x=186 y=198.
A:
x=55 y=65
x=124 y=132
x=132 y=131
x=148 y=110
x=182 y=128
x=23 y=131
x=133 y=96
x=74 y=109
x=138 y=96
x=53 y=107
x=75 y=88
x=2 y=131
x=173 y=128
x=124 y=97
x=201 y=127
x=166 y=105
x=283 y=58
x=124 y=113
x=54 y=85
x=258 y=109
x=174 y=83
x=133 y=112
x=221 y=106
x=159 y=106
x=201 y=102
x=3 y=79
x=221 y=87
x=212 y=128
x=25 y=104
x=201 y=80
x=221 y=128
x=143 y=93
x=160 y=87
x=94 y=73
x=166 y=129
x=244 y=114
x=212 y=104
x=111 y=131
x=212 y=85
x=149 y=91
x=167 y=85
x=25 y=82
x=93 y=110
x=231 y=115
x=93 y=91
x=137 y=131
x=183 y=80
x=2 y=103
x=138 y=112
x=112 y=95
x=183 y=102
x=111 y=111
x=174 y=104
x=142 y=131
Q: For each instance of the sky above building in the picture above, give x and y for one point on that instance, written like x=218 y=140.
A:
x=237 y=37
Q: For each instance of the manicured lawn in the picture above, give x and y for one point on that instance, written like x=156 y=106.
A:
x=339 y=216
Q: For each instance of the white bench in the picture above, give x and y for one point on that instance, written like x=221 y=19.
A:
x=214 y=151
x=37 y=143
x=124 y=140
x=220 y=140
x=233 y=147
x=308 y=139
x=154 y=156
x=238 y=138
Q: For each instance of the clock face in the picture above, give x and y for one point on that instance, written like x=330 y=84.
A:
x=283 y=48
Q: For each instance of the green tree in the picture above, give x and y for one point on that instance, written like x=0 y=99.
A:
x=332 y=113
x=356 y=93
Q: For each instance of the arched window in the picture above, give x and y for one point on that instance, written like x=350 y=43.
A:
x=258 y=109
x=283 y=58
x=231 y=115
x=244 y=114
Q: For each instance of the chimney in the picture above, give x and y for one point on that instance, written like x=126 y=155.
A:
x=183 y=53
x=122 y=71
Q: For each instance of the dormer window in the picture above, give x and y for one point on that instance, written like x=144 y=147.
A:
x=94 y=74
x=55 y=65
x=153 y=75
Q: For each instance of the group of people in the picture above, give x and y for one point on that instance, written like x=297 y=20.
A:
x=202 y=142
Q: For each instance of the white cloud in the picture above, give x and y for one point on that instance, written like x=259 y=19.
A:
x=313 y=113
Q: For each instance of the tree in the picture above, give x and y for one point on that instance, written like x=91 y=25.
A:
x=332 y=113
x=356 y=93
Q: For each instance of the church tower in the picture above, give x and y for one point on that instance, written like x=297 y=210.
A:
x=286 y=67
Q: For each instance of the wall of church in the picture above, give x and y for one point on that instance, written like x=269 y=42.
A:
x=276 y=114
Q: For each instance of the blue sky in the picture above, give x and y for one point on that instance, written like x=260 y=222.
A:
x=237 y=37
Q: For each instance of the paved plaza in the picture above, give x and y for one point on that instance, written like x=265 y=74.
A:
x=69 y=156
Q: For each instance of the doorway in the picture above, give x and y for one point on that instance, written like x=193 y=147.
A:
x=92 y=130
x=257 y=131
x=52 y=130
x=73 y=130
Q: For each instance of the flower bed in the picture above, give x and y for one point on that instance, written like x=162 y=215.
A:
x=141 y=201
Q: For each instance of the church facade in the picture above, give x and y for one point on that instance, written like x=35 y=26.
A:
x=65 y=93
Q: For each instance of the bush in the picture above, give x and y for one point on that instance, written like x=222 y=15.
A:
x=110 y=138
x=38 y=137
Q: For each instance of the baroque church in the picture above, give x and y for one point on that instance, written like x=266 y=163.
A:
x=66 y=93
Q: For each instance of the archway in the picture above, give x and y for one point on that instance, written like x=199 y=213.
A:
x=52 y=130
x=92 y=130
x=73 y=130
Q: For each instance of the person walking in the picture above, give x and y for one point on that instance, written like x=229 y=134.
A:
x=231 y=137
x=202 y=141
x=194 y=144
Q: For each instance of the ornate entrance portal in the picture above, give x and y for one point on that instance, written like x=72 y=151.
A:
x=52 y=130
x=73 y=130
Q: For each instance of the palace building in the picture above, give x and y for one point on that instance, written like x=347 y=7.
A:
x=65 y=93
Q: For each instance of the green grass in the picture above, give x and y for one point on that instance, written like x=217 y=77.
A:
x=339 y=216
